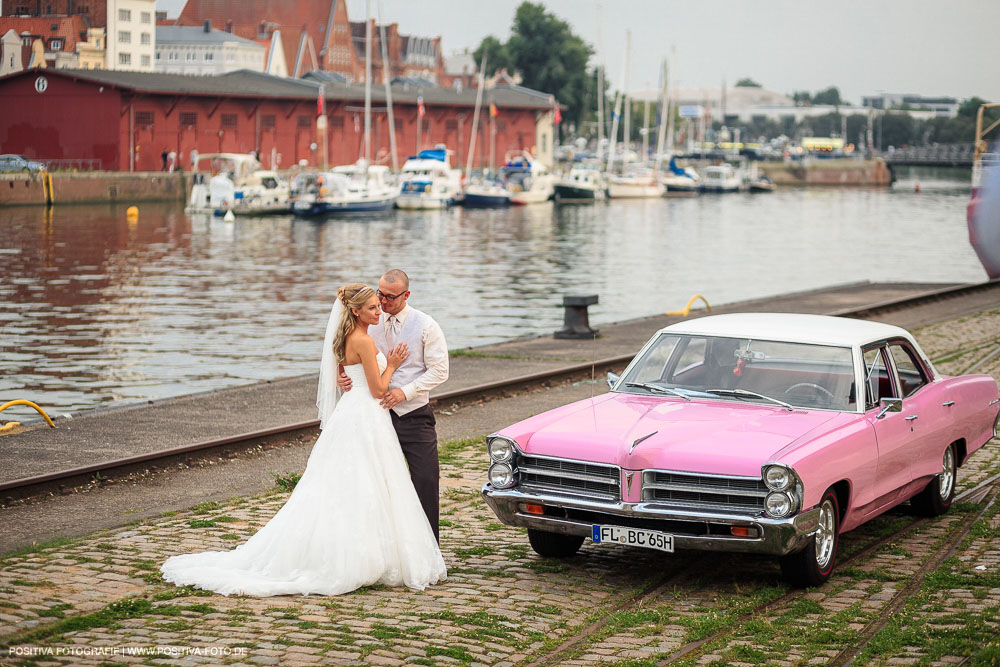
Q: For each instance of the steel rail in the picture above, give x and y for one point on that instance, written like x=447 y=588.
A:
x=467 y=393
x=693 y=647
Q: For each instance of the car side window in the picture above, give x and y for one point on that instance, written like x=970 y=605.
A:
x=691 y=356
x=878 y=383
x=911 y=374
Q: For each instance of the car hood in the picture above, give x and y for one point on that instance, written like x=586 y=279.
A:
x=640 y=432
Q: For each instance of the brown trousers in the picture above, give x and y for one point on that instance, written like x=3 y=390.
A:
x=418 y=440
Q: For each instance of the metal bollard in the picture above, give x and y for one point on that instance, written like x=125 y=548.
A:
x=576 y=323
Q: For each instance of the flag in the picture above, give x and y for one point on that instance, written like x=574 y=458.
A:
x=493 y=110
x=320 y=102
x=420 y=106
x=557 y=118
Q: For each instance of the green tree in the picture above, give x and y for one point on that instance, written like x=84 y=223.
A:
x=548 y=55
x=747 y=82
x=497 y=55
x=829 y=96
x=802 y=97
x=897 y=129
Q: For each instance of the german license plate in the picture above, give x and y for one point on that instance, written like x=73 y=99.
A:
x=633 y=537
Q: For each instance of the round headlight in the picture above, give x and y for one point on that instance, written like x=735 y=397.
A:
x=500 y=449
x=501 y=476
x=777 y=478
x=778 y=504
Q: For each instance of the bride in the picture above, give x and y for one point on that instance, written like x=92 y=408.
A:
x=354 y=518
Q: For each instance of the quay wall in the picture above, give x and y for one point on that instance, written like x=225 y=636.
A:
x=92 y=188
x=829 y=172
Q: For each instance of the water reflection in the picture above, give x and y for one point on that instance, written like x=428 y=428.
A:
x=98 y=311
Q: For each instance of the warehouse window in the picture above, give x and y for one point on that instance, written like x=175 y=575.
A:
x=337 y=122
x=124 y=58
x=189 y=119
x=124 y=14
x=267 y=121
x=144 y=118
x=451 y=125
x=124 y=37
x=228 y=120
x=305 y=121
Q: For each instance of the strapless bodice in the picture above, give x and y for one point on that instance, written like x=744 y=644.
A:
x=357 y=372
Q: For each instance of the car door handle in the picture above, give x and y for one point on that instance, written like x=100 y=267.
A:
x=948 y=404
x=911 y=418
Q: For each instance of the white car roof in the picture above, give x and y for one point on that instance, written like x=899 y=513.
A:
x=790 y=327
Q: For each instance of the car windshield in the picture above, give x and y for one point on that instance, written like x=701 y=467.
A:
x=785 y=375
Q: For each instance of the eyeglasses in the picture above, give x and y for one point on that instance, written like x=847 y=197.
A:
x=389 y=297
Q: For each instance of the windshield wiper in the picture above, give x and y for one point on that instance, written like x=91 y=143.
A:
x=747 y=394
x=656 y=387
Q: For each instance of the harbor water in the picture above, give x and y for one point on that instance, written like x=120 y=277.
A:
x=98 y=311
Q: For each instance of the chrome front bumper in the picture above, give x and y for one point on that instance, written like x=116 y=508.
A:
x=564 y=514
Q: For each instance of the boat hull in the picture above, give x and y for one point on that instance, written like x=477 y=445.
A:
x=473 y=200
x=577 y=193
x=423 y=203
x=318 y=208
x=634 y=191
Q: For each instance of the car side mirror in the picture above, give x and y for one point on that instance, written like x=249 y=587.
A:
x=612 y=379
x=889 y=405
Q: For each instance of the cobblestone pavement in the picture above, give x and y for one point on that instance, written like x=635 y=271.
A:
x=95 y=599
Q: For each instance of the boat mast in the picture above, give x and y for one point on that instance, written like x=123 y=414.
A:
x=368 y=84
x=627 y=138
x=614 y=125
x=388 y=91
x=475 y=116
x=664 y=105
x=600 y=91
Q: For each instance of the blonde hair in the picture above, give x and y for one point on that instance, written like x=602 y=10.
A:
x=352 y=296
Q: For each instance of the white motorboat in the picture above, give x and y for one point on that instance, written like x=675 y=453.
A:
x=527 y=180
x=353 y=188
x=635 y=183
x=583 y=184
x=720 y=178
x=239 y=184
x=486 y=194
x=428 y=181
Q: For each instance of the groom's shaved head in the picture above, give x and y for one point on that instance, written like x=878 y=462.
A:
x=397 y=277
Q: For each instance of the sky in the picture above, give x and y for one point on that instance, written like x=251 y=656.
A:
x=927 y=47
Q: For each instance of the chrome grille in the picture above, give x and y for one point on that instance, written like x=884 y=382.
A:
x=592 y=480
x=691 y=491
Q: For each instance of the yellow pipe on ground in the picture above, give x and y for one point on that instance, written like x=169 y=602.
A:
x=687 y=309
x=21 y=401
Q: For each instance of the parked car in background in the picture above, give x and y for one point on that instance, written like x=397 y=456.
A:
x=16 y=163
x=761 y=433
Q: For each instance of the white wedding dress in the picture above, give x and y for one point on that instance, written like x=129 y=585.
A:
x=353 y=519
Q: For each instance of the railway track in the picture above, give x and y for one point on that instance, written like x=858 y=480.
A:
x=35 y=485
x=692 y=650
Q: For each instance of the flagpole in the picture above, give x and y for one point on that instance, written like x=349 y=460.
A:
x=368 y=83
x=388 y=92
x=420 y=118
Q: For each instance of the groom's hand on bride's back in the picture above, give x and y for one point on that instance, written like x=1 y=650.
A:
x=344 y=382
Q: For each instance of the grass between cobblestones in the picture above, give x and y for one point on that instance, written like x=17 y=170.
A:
x=503 y=605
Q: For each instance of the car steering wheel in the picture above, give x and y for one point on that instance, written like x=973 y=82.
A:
x=811 y=385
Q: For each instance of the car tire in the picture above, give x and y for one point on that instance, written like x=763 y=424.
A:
x=554 y=545
x=937 y=496
x=812 y=566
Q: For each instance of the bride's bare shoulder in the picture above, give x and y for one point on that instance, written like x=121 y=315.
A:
x=358 y=345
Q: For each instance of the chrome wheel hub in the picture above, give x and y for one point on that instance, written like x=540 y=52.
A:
x=946 y=480
x=826 y=536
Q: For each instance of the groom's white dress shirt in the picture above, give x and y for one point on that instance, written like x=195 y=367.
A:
x=427 y=365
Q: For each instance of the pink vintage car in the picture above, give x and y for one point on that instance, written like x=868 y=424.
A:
x=765 y=433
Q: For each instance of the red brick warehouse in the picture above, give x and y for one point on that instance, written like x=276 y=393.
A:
x=127 y=119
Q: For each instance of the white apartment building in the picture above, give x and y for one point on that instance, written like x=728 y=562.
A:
x=202 y=50
x=131 y=35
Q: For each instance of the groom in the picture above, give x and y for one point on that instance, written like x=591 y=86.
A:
x=407 y=398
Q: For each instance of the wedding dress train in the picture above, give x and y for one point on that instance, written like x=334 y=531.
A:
x=353 y=519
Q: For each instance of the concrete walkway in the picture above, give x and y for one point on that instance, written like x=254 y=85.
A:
x=103 y=435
